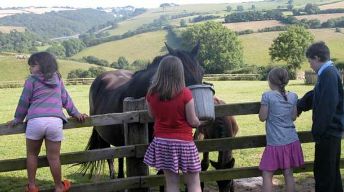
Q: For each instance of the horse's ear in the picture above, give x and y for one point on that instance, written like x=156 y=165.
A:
x=195 y=50
x=170 y=50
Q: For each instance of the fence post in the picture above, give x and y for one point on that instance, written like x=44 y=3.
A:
x=135 y=133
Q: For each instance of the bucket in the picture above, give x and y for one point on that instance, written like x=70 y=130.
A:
x=204 y=101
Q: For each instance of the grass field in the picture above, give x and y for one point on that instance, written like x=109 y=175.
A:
x=75 y=139
x=144 y=46
x=13 y=69
x=256 y=45
x=7 y=29
x=332 y=5
x=321 y=17
x=253 y=25
x=151 y=14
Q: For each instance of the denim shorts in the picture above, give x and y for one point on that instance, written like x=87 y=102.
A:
x=49 y=128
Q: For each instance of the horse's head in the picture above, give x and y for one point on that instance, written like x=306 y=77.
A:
x=224 y=185
x=193 y=72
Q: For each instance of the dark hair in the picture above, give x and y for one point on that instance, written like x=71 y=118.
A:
x=46 y=61
x=280 y=78
x=320 y=50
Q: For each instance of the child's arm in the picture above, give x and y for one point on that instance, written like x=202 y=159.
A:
x=294 y=115
x=191 y=117
x=68 y=104
x=263 y=112
x=150 y=112
x=23 y=104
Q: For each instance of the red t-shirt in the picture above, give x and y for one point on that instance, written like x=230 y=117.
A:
x=170 y=117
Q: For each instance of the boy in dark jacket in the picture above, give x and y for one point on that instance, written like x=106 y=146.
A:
x=326 y=101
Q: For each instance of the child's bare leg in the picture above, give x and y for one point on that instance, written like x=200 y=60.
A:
x=289 y=180
x=33 y=147
x=53 y=155
x=172 y=181
x=267 y=181
x=193 y=182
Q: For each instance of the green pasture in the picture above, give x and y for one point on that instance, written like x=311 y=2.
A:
x=255 y=46
x=220 y=9
x=13 y=69
x=143 y=46
x=75 y=139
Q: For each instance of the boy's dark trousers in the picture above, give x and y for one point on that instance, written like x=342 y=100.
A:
x=326 y=165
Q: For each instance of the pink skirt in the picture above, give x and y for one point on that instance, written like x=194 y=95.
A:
x=173 y=155
x=282 y=157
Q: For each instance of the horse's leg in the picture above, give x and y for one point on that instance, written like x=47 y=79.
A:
x=111 y=168
x=120 y=168
x=204 y=165
x=161 y=188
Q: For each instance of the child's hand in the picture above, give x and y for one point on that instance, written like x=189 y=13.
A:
x=81 y=117
x=12 y=123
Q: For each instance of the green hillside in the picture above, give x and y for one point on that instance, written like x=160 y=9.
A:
x=13 y=69
x=256 y=45
x=216 y=9
x=144 y=46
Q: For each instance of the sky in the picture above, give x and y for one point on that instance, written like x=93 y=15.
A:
x=105 y=3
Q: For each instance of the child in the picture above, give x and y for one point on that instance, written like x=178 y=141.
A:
x=171 y=104
x=326 y=102
x=283 y=150
x=41 y=104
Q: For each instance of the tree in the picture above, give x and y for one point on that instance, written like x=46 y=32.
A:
x=229 y=8
x=73 y=46
x=240 y=8
x=122 y=63
x=58 y=50
x=183 y=23
x=253 y=7
x=290 y=46
x=312 y=9
x=220 y=48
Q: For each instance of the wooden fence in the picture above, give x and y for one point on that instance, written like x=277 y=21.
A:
x=311 y=77
x=138 y=150
x=88 y=81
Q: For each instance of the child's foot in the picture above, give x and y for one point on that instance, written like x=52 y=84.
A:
x=29 y=188
x=64 y=187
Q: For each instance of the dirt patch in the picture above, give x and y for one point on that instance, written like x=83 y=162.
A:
x=321 y=17
x=332 y=6
x=253 y=25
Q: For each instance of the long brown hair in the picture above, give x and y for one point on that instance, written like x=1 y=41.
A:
x=280 y=78
x=47 y=63
x=169 y=80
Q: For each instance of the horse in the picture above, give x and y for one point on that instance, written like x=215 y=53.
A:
x=221 y=127
x=108 y=91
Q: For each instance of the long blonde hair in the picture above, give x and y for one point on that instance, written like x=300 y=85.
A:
x=280 y=78
x=169 y=80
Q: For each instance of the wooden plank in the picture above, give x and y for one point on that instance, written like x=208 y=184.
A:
x=96 y=120
x=70 y=158
x=157 y=180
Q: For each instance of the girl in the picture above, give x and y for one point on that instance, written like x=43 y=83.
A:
x=41 y=104
x=283 y=150
x=171 y=104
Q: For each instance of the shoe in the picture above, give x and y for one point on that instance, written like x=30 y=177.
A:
x=66 y=185
x=27 y=189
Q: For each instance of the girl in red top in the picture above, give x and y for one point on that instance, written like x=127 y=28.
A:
x=171 y=104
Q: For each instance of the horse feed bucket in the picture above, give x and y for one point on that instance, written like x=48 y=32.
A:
x=204 y=102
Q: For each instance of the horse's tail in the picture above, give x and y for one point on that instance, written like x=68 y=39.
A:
x=95 y=141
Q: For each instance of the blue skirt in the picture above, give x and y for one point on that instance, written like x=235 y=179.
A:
x=173 y=155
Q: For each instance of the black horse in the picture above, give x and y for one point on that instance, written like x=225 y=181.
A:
x=108 y=91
